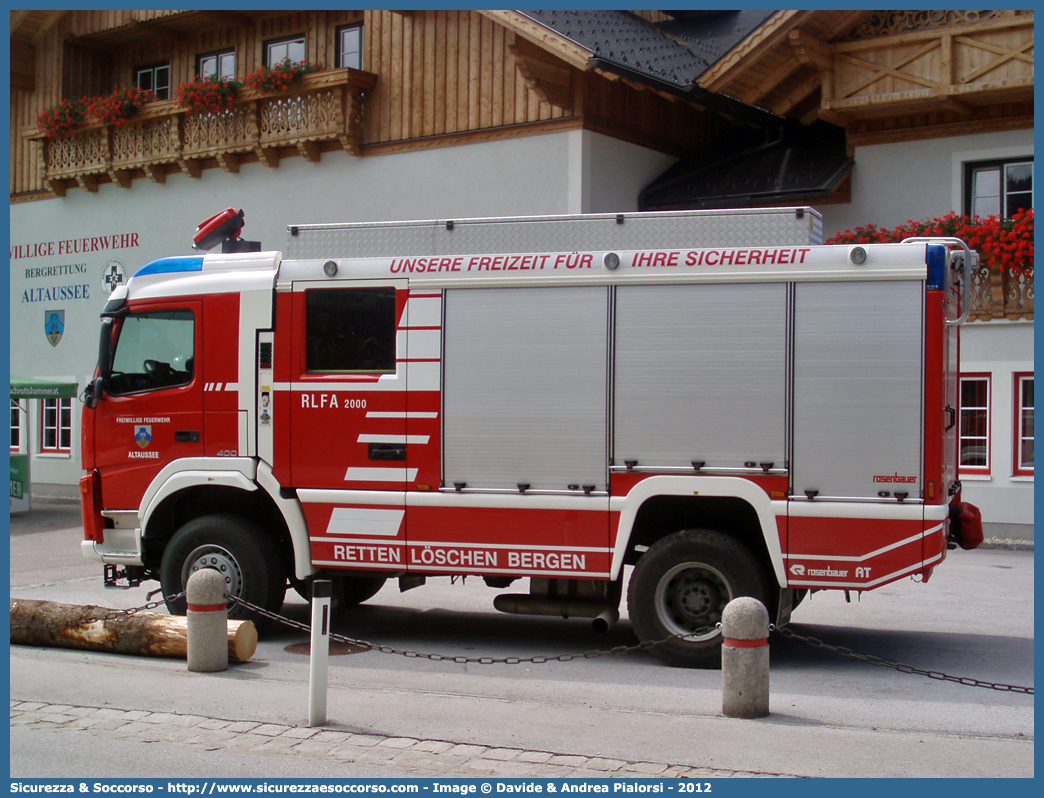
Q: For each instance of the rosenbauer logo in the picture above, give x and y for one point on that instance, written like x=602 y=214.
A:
x=801 y=570
x=894 y=478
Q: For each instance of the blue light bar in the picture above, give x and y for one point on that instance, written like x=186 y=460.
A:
x=181 y=263
x=937 y=262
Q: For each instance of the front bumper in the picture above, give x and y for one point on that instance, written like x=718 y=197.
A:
x=116 y=550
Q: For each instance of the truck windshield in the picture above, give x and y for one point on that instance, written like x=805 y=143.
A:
x=154 y=350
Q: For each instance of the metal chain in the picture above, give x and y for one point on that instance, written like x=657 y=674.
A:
x=871 y=659
x=536 y=660
x=109 y=616
x=542 y=659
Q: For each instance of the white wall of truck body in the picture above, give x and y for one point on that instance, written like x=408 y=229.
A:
x=921 y=180
x=881 y=436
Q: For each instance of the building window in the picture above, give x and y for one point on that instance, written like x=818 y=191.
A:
x=349 y=46
x=155 y=78
x=1003 y=187
x=17 y=439
x=279 y=50
x=975 y=424
x=350 y=330
x=221 y=64
x=1023 y=424
x=56 y=433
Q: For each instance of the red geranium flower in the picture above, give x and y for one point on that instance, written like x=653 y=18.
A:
x=1001 y=243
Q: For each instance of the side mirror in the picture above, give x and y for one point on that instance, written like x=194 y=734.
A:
x=92 y=393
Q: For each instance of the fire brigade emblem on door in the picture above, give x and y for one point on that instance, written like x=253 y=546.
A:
x=143 y=435
x=54 y=326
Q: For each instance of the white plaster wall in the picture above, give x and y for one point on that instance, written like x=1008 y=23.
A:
x=614 y=172
x=999 y=348
x=567 y=172
x=892 y=183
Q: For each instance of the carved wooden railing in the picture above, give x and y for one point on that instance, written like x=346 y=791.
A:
x=321 y=107
x=1001 y=295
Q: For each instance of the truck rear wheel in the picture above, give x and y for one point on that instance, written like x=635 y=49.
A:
x=682 y=584
x=237 y=548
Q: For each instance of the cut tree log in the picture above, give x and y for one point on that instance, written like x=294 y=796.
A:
x=148 y=634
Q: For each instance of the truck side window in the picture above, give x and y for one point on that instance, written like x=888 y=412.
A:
x=350 y=330
x=154 y=350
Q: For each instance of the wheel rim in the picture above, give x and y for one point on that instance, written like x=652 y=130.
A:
x=692 y=596
x=219 y=559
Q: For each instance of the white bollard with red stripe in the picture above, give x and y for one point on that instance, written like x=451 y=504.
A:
x=207 y=621
x=745 y=659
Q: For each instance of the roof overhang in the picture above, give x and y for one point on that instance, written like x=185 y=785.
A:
x=585 y=59
x=791 y=165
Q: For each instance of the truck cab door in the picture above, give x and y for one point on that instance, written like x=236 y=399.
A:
x=151 y=410
x=348 y=416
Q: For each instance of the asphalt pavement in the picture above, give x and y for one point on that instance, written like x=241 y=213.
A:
x=618 y=716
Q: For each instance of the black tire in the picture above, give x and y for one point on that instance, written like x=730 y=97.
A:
x=357 y=589
x=238 y=548
x=348 y=591
x=682 y=584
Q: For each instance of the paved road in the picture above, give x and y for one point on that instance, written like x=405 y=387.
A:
x=622 y=715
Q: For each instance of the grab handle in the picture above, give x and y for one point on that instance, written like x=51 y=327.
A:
x=967 y=271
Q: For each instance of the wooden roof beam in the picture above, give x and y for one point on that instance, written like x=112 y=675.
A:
x=844 y=24
x=782 y=105
x=770 y=81
x=811 y=51
x=951 y=104
x=558 y=45
x=51 y=20
x=884 y=105
x=811 y=116
x=667 y=95
x=548 y=76
x=17 y=19
x=764 y=38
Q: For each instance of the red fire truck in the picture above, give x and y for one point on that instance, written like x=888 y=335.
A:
x=713 y=398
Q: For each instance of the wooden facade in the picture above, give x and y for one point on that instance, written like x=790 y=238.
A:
x=437 y=78
x=896 y=76
x=428 y=78
x=888 y=76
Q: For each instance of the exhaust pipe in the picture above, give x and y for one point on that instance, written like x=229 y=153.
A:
x=602 y=615
x=605 y=620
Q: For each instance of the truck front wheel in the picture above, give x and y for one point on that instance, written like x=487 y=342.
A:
x=681 y=585
x=348 y=591
x=239 y=550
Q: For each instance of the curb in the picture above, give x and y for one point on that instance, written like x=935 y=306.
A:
x=1007 y=544
x=441 y=757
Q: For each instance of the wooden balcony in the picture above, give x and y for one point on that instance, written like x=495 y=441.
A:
x=323 y=111
x=1001 y=295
